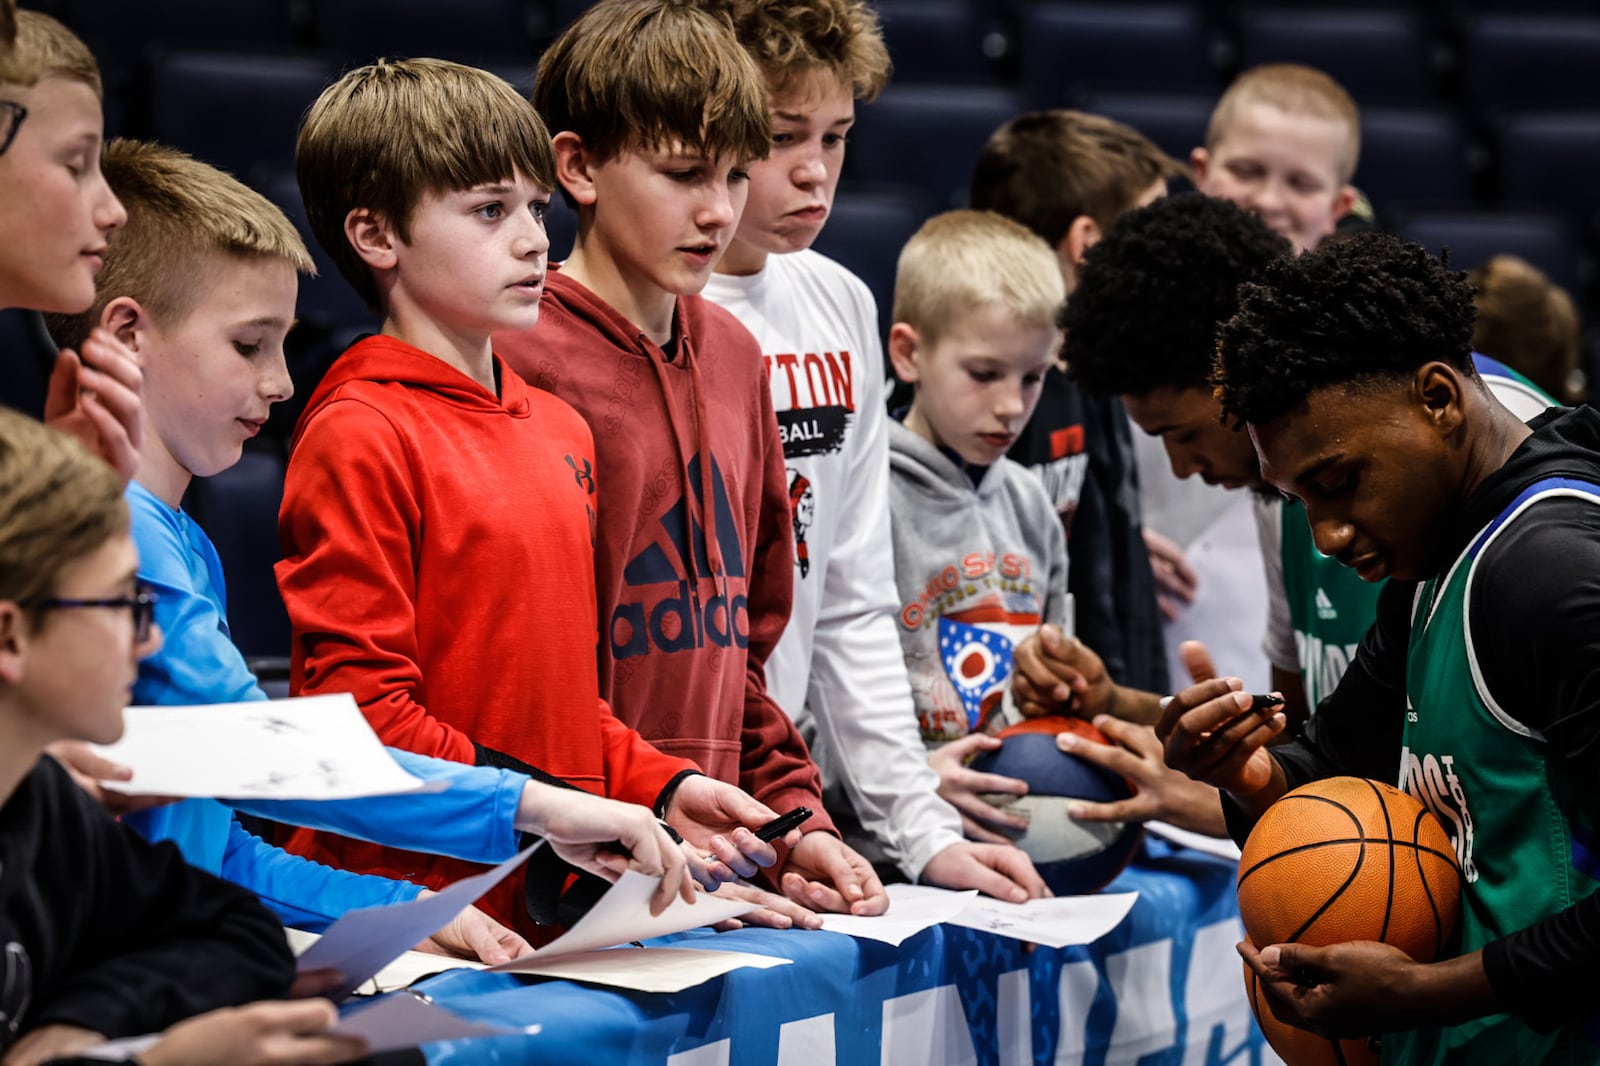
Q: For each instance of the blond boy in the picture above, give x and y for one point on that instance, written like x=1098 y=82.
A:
x=657 y=113
x=1283 y=141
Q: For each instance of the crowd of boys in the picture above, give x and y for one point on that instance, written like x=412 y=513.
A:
x=630 y=551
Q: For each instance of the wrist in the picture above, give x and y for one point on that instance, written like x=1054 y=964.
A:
x=670 y=790
x=1450 y=992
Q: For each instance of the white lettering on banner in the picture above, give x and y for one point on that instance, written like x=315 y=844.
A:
x=1014 y=1017
x=807 y=1042
x=927 y=1029
x=1075 y=994
x=1141 y=980
x=1211 y=1004
x=716 y=1054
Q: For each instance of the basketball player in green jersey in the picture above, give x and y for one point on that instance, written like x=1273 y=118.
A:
x=1476 y=689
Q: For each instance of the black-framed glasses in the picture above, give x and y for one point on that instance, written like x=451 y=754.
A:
x=11 y=116
x=142 y=603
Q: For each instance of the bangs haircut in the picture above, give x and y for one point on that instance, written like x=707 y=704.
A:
x=180 y=212
x=792 y=39
x=1295 y=90
x=1365 y=312
x=1046 y=168
x=8 y=26
x=962 y=260
x=44 y=48
x=1152 y=293
x=385 y=135
x=653 y=75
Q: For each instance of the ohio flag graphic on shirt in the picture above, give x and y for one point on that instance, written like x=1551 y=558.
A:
x=978 y=663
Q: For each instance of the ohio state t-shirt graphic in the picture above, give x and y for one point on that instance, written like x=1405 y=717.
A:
x=663 y=607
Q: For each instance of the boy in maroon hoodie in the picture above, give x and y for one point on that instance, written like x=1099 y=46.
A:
x=438 y=514
x=657 y=109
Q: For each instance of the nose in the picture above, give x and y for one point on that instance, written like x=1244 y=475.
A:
x=1010 y=403
x=1331 y=535
x=1182 y=460
x=151 y=644
x=810 y=171
x=276 y=384
x=533 y=240
x=721 y=206
x=1269 y=198
x=108 y=213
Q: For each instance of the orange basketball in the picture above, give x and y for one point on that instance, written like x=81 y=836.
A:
x=1297 y=1047
x=1350 y=859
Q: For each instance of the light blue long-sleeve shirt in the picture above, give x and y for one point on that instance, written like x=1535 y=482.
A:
x=199 y=664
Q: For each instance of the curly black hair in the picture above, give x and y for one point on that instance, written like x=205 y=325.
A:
x=1152 y=293
x=1366 y=309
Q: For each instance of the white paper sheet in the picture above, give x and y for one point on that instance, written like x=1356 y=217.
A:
x=406 y=1019
x=408 y=969
x=912 y=908
x=362 y=942
x=309 y=748
x=1056 y=923
x=645 y=969
x=1221 y=847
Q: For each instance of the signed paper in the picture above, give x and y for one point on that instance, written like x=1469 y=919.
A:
x=1056 y=923
x=645 y=969
x=912 y=908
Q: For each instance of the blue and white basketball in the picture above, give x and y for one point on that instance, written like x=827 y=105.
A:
x=1073 y=857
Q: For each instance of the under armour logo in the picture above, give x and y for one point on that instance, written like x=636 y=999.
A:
x=584 y=475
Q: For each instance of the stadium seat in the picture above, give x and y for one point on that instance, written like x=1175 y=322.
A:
x=238 y=509
x=936 y=41
x=1070 y=50
x=866 y=231
x=1526 y=62
x=28 y=357
x=1545 y=240
x=1379 y=56
x=928 y=136
x=463 y=30
x=1552 y=159
x=1413 y=155
x=1176 y=122
x=236 y=111
x=561 y=223
x=327 y=302
x=122 y=32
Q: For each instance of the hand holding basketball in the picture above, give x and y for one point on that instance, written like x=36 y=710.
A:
x=1340 y=991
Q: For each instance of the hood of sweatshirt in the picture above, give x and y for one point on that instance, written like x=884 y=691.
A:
x=933 y=471
x=386 y=360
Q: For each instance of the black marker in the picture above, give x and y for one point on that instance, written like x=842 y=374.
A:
x=781 y=825
x=1263 y=704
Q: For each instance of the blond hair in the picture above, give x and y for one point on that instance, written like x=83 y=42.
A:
x=58 y=503
x=1527 y=322
x=180 y=212
x=385 y=135
x=44 y=48
x=1046 y=168
x=962 y=260
x=791 y=39
x=652 y=74
x=1294 y=90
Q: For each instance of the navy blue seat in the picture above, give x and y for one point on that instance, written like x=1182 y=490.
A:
x=463 y=30
x=26 y=358
x=1175 y=122
x=236 y=111
x=1472 y=237
x=327 y=301
x=1379 y=56
x=937 y=41
x=1413 y=155
x=238 y=509
x=865 y=233
x=928 y=136
x=561 y=223
x=1552 y=159
x=121 y=32
x=1525 y=62
x=1070 y=50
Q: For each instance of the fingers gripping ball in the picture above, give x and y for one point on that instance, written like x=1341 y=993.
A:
x=1297 y=1047
x=1350 y=859
x=1073 y=857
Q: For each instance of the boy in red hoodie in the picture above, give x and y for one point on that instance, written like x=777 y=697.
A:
x=657 y=109
x=438 y=514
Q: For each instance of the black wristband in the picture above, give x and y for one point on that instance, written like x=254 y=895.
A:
x=664 y=797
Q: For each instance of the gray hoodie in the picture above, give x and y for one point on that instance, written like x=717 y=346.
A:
x=977 y=568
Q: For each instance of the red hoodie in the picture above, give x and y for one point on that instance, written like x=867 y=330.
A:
x=687 y=621
x=439 y=564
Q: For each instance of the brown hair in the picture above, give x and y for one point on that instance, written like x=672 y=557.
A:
x=1528 y=323
x=649 y=74
x=58 y=503
x=8 y=24
x=387 y=134
x=1294 y=90
x=1047 y=168
x=180 y=211
x=44 y=48
x=790 y=39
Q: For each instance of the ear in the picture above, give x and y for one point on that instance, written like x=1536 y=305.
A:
x=574 y=167
x=127 y=320
x=1200 y=161
x=14 y=635
x=1083 y=234
x=1437 y=388
x=903 y=346
x=373 y=238
x=1343 y=203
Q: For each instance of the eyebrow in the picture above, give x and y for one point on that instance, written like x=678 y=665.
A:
x=1315 y=467
x=501 y=189
x=267 y=321
x=795 y=116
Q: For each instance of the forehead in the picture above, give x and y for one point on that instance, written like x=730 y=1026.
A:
x=995 y=332
x=59 y=108
x=1312 y=142
x=1167 y=408
x=1332 y=422
x=814 y=94
x=241 y=288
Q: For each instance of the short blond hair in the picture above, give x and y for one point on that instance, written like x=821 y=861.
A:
x=385 y=135
x=1295 y=90
x=1527 y=322
x=58 y=503
x=962 y=260
x=792 y=39
x=44 y=48
x=652 y=74
x=1046 y=168
x=180 y=212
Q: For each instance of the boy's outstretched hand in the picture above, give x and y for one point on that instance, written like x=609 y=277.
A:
x=963 y=788
x=96 y=397
x=1058 y=674
x=718 y=818
x=1161 y=794
x=999 y=870
x=826 y=874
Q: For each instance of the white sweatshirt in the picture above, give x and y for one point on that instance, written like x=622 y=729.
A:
x=838 y=670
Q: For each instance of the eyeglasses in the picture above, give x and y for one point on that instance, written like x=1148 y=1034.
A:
x=142 y=603
x=11 y=116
